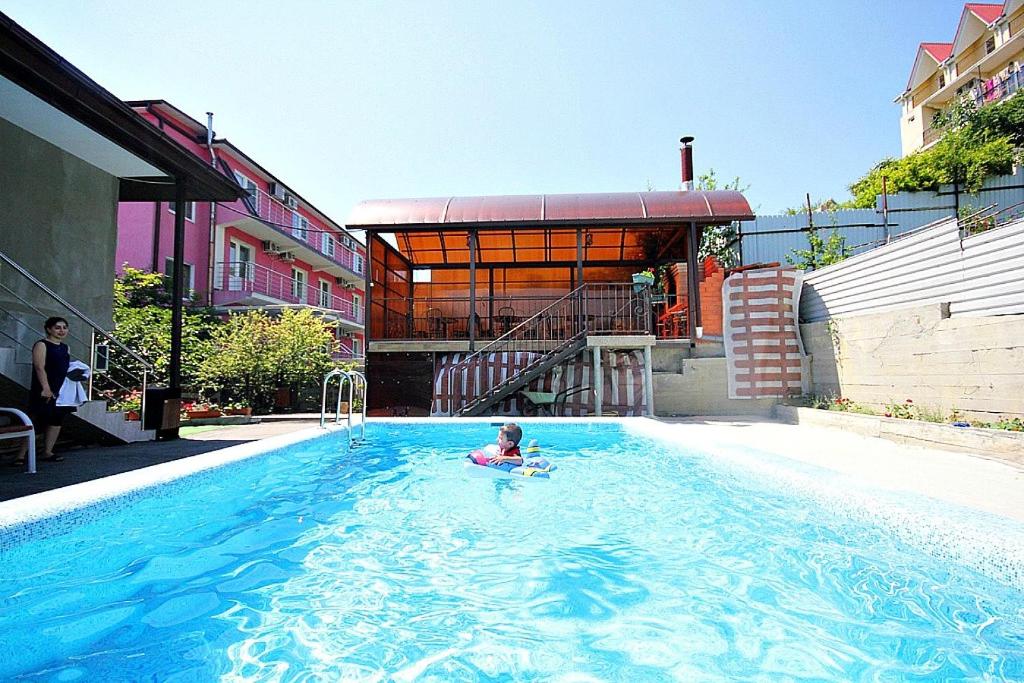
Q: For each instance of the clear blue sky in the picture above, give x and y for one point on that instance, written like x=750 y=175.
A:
x=356 y=100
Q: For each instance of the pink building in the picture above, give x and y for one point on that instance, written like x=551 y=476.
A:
x=271 y=250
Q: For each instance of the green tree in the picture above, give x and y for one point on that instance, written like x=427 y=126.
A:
x=975 y=144
x=820 y=253
x=142 y=322
x=720 y=240
x=254 y=354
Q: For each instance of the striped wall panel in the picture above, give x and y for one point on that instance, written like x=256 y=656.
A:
x=976 y=275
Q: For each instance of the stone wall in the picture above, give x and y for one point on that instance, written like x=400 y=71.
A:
x=973 y=364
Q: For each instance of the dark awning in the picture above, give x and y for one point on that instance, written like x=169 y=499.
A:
x=46 y=95
x=621 y=209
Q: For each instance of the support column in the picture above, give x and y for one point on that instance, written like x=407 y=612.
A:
x=693 y=284
x=177 y=286
x=598 y=382
x=472 y=290
x=368 y=292
x=649 y=381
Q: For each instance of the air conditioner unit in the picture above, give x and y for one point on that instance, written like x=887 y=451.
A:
x=287 y=256
x=277 y=190
x=340 y=281
x=290 y=201
x=271 y=247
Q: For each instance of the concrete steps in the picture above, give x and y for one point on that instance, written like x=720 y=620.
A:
x=91 y=423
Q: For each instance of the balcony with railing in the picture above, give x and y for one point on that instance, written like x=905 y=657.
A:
x=305 y=238
x=992 y=91
x=448 y=318
x=242 y=283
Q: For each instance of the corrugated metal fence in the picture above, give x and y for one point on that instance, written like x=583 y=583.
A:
x=773 y=237
x=976 y=275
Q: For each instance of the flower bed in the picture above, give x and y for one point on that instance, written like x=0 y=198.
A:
x=1000 y=444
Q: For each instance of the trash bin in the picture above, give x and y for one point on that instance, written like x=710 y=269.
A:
x=163 y=412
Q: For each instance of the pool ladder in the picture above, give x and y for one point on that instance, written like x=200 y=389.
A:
x=352 y=376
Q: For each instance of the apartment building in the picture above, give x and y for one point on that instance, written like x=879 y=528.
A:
x=270 y=250
x=982 y=63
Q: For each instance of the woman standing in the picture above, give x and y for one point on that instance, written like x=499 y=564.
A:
x=50 y=360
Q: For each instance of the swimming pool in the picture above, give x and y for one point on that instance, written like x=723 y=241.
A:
x=388 y=563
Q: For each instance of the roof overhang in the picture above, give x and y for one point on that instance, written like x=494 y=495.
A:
x=621 y=209
x=44 y=94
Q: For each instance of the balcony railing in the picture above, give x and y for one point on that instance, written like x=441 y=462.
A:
x=990 y=92
x=447 y=318
x=234 y=280
x=287 y=221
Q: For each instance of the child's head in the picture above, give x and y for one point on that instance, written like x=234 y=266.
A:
x=509 y=435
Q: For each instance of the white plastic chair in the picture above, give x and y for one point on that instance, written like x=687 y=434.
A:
x=21 y=431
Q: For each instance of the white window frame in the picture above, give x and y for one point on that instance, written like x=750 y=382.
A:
x=169 y=266
x=357 y=347
x=190 y=210
x=249 y=185
x=357 y=262
x=300 y=226
x=327 y=244
x=299 y=284
x=324 y=293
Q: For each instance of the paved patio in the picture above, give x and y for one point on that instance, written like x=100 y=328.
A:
x=86 y=464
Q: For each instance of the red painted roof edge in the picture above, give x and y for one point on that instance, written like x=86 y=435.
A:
x=985 y=11
x=726 y=198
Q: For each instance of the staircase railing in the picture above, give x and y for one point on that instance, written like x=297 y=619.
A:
x=116 y=372
x=591 y=309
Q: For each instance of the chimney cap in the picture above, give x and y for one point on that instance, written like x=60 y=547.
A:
x=686 y=139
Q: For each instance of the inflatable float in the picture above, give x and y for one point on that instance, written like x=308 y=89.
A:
x=533 y=467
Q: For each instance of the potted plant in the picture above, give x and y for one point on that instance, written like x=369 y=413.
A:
x=238 y=408
x=645 y=278
x=197 y=411
x=130 y=404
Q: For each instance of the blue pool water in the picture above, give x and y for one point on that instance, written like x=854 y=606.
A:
x=388 y=563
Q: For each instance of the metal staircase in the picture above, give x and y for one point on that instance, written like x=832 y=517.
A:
x=25 y=303
x=551 y=336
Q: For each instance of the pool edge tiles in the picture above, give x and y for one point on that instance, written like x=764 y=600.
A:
x=49 y=512
x=984 y=542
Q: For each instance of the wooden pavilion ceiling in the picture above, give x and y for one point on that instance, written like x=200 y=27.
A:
x=535 y=245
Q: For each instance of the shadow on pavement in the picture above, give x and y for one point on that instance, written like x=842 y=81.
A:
x=85 y=464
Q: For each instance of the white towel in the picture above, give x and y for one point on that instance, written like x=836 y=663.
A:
x=71 y=392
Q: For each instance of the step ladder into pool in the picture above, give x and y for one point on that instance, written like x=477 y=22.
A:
x=354 y=378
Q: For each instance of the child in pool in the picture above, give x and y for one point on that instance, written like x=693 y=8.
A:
x=506 y=455
x=509 y=437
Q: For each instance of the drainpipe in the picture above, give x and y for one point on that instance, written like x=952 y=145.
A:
x=211 y=252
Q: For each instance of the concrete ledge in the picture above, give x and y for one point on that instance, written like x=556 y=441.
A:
x=990 y=443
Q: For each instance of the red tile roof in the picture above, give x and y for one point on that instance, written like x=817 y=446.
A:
x=939 y=51
x=986 y=12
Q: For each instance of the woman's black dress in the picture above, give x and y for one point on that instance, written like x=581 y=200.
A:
x=45 y=412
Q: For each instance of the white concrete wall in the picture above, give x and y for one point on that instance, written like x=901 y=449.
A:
x=974 y=364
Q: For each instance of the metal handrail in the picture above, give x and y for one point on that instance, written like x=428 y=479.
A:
x=337 y=372
x=63 y=302
x=630 y=304
x=94 y=331
x=362 y=425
